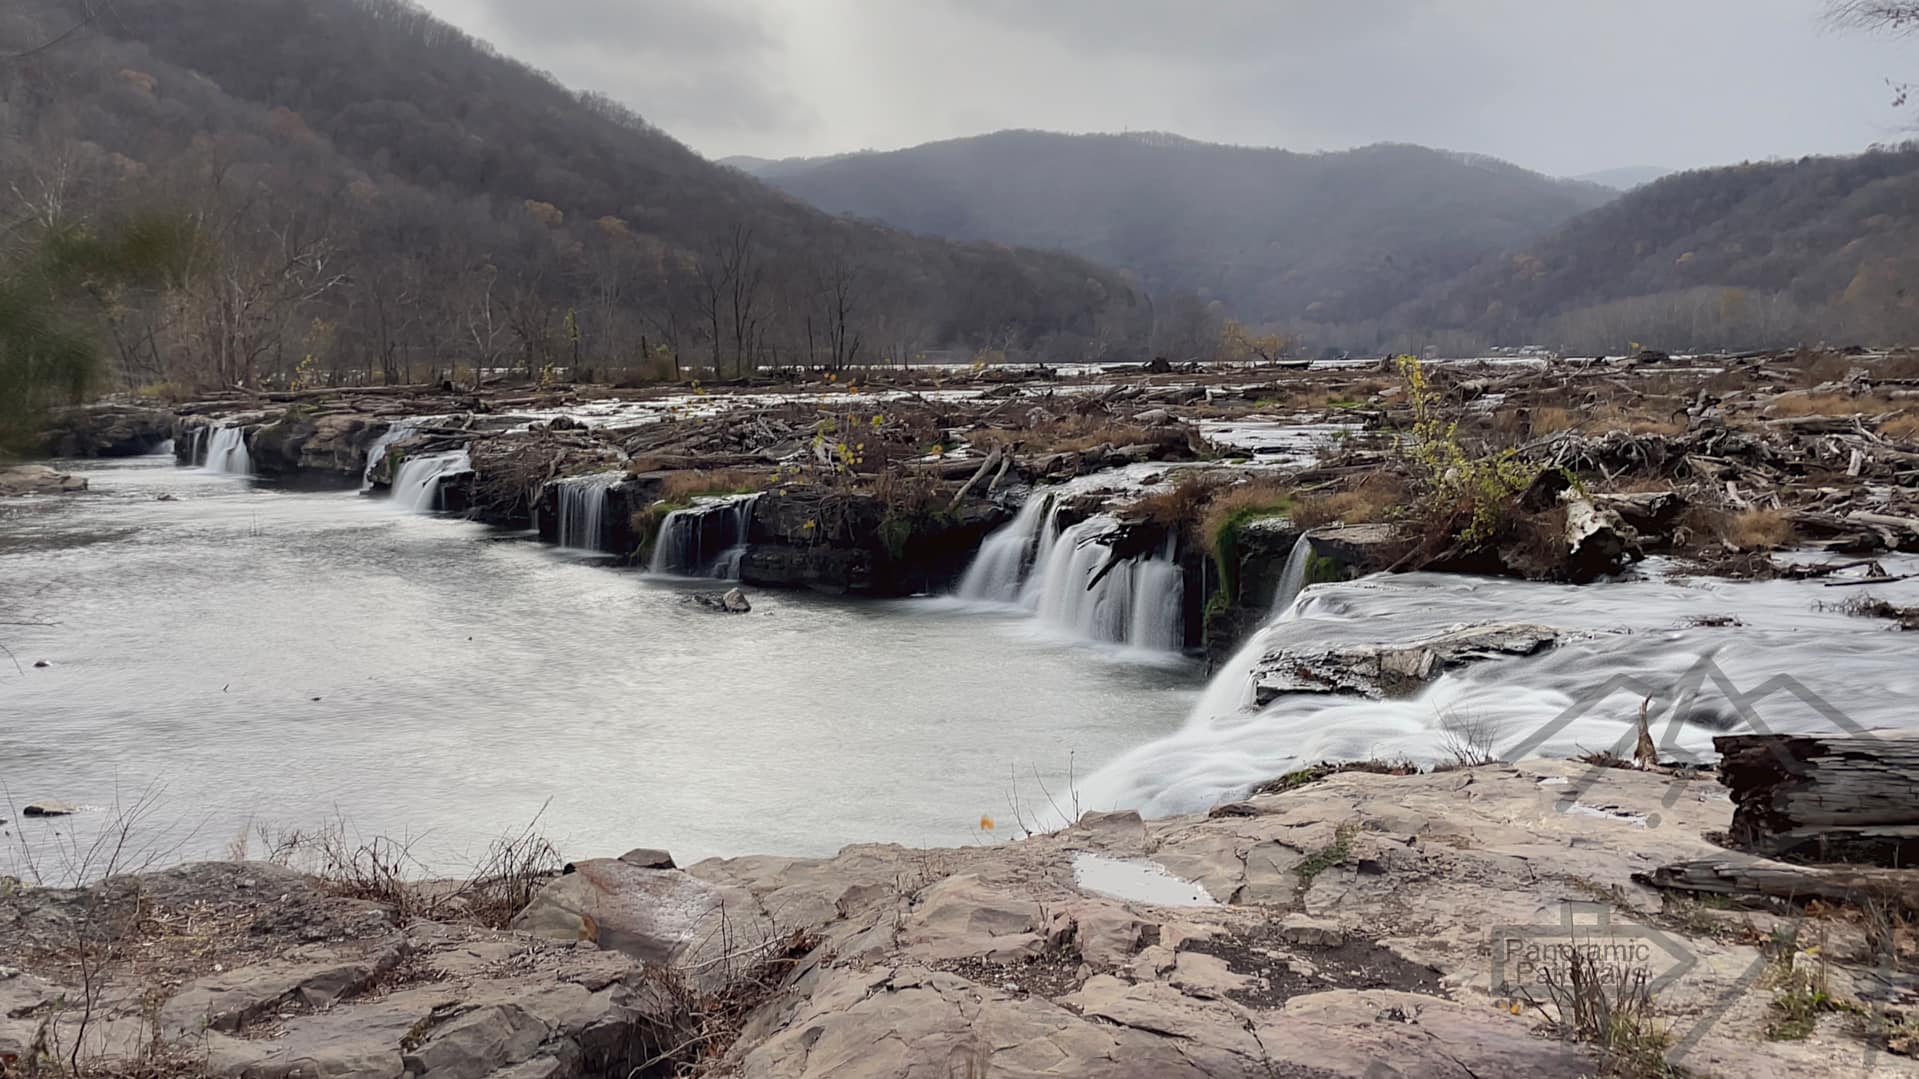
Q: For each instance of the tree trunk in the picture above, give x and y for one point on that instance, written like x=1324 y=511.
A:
x=1824 y=797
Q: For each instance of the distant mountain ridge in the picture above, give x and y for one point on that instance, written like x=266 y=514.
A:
x=1751 y=255
x=466 y=207
x=1625 y=178
x=1276 y=236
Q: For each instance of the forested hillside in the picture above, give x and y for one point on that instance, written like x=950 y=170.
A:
x=1748 y=256
x=379 y=196
x=1325 y=243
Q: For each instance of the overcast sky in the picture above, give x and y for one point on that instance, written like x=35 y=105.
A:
x=1564 y=86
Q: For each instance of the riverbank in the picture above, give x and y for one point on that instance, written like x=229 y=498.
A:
x=1354 y=925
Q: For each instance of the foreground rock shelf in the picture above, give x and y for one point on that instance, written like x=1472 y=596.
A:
x=1352 y=926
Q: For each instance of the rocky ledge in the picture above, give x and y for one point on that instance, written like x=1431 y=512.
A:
x=38 y=480
x=1361 y=925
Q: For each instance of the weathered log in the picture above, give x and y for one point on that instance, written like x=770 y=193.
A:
x=1824 y=797
x=1735 y=876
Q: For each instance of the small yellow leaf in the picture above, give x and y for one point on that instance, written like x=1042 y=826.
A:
x=986 y=824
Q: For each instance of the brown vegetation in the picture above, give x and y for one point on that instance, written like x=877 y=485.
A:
x=1747 y=530
x=688 y=484
x=1381 y=496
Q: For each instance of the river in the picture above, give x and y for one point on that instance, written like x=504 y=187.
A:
x=236 y=656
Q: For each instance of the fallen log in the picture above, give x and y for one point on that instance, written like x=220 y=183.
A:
x=1850 y=798
x=1756 y=879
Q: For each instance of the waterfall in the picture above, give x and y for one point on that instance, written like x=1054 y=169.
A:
x=227 y=452
x=705 y=540
x=416 y=482
x=582 y=509
x=1292 y=579
x=374 y=453
x=1003 y=559
x=1069 y=578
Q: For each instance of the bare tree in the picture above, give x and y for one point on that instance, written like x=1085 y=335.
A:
x=1897 y=16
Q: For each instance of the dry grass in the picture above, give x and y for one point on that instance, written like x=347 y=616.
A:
x=693 y=1030
x=1742 y=530
x=1180 y=504
x=384 y=870
x=1553 y=419
x=688 y=484
x=1238 y=504
x=1827 y=404
x=1074 y=433
x=1378 y=497
x=1905 y=425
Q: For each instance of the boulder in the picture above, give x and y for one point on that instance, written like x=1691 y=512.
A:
x=1396 y=669
x=735 y=602
x=48 y=808
x=653 y=915
x=38 y=480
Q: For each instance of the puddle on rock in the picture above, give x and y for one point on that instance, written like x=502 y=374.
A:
x=1137 y=882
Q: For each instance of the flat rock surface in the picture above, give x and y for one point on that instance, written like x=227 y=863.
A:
x=1366 y=926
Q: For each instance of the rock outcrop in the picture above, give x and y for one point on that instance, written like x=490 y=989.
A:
x=106 y=430
x=1392 y=670
x=1360 y=926
x=38 y=480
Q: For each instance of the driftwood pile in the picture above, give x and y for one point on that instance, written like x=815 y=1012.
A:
x=1832 y=817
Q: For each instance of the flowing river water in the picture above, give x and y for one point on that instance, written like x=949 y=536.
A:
x=241 y=653
x=228 y=654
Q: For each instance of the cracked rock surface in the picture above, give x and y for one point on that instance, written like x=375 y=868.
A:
x=1354 y=936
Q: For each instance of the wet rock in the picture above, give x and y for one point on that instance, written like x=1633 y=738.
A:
x=48 y=808
x=38 y=480
x=730 y=602
x=1396 y=669
x=106 y=430
x=327 y=444
x=648 y=858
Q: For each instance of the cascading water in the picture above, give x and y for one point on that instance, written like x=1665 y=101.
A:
x=582 y=510
x=1621 y=643
x=1002 y=561
x=227 y=452
x=705 y=540
x=377 y=452
x=1292 y=579
x=416 y=482
x=1069 y=577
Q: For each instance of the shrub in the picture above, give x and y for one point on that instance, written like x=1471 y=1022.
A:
x=1468 y=495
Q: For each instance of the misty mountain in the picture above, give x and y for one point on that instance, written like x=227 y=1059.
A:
x=1327 y=239
x=1626 y=178
x=401 y=191
x=1745 y=256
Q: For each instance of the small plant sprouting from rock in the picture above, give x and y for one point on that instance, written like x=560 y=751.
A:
x=1326 y=857
x=1614 y=1012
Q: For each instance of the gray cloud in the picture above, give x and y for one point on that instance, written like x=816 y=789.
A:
x=701 y=69
x=1565 y=87
x=688 y=30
